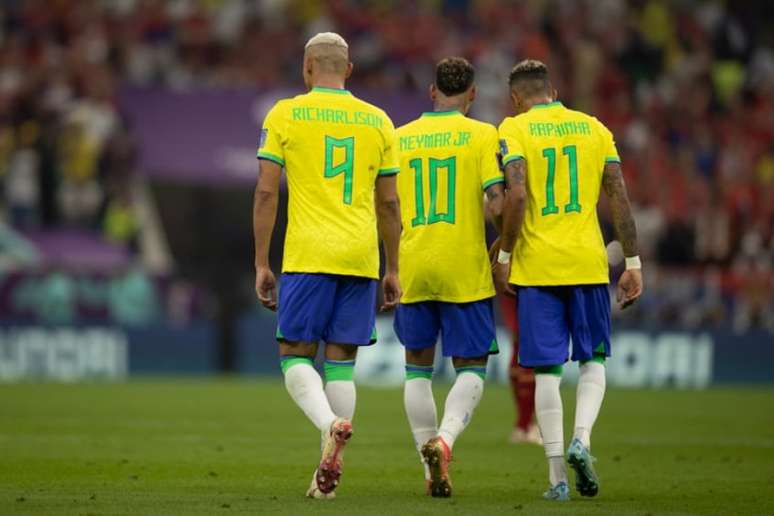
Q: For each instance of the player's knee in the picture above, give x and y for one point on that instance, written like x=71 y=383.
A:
x=420 y=357
x=298 y=349
x=340 y=351
x=475 y=366
x=465 y=362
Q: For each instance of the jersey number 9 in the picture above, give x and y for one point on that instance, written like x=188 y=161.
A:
x=345 y=166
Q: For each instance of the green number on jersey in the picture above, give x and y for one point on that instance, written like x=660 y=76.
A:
x=550 y=207
x=450 y=164
x=419 y=193
x=572 y=156
x=347 y=164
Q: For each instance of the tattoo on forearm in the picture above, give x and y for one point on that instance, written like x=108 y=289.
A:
x=515 y=173
x=623 y=221
x=515 y=202
x=493 y=194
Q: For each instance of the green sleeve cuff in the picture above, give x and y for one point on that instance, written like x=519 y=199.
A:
x=512 y=157
x=612 y=159
x=491 y=182
x=271 y=157
x=388 y=171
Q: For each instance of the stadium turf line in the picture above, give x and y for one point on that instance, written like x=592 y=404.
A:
x=235 y=446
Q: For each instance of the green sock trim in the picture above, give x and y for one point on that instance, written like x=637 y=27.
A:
x=417 y=371
x=339 y=370
x=600 y=359
x=289 y=361
x=554 y=370
x=477 y=370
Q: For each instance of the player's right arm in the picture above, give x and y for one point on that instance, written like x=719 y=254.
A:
x=630 y=282
x=514 y=207
x=265 y=203
x=515 y=202
x=272 y=158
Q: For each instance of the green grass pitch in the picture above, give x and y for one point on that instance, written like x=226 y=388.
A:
x=241 y=447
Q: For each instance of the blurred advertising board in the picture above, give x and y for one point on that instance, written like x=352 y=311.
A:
x=641 y=358
x=74 y=353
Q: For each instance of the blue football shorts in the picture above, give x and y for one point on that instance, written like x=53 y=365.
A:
x=327 y=307
x=550 y=316
x=467 y=329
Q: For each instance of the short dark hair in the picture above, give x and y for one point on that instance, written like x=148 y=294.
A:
x=530 y=77
x=454 y=75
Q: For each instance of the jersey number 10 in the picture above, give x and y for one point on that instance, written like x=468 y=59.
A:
x=550 y=154
x=450 y=164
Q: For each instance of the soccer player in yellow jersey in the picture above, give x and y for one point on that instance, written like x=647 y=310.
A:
x=341 y=159
x=447 y=160
x=556 y=161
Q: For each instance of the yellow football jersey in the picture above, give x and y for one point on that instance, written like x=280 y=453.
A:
x=333 y=146
x=560 y=241
x=446 y=161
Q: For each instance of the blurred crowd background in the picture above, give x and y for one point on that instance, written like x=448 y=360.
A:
x=686 y=86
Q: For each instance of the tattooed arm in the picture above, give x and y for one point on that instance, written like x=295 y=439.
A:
x=630 y=282
x=495 y=196
x=513 y=216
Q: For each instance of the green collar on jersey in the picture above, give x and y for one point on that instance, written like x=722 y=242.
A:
x=337 y=91
x=546 y=105
x=442 y=113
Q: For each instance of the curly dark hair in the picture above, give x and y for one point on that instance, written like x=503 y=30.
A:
x=530 y=76
x=454 y=75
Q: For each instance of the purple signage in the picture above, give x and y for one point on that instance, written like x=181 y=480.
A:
x=210 y=136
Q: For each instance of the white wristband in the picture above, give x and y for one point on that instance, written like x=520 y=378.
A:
x=633 y=262
x=503 y=257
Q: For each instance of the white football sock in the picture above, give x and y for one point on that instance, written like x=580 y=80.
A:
x=557 y=470
x=306 y=388
x=461 y=402
x=420 y=407
x=590 y=393
x=548 y=409
x=341 y=396
x=340 y=387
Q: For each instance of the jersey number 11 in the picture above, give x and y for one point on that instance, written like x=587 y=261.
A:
x=572 y=156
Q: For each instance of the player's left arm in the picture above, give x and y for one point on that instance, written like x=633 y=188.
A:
x=265 y=203
x=388 y=215
x=630 y=282
x=514 y=207
x=388 y=220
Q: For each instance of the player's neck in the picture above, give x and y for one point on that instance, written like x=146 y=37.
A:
x=537 y=101
x=334 y=83
x=440 y=107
